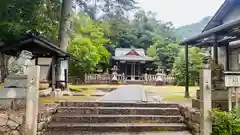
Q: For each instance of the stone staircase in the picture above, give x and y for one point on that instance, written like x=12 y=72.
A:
x=105 y=118
x=136 y=82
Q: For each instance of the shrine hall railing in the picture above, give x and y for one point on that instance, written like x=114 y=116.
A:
x=107 y=78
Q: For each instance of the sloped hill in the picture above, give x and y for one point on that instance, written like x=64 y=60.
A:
x=190 y=30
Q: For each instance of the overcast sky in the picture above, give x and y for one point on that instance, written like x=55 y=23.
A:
x=181 y=12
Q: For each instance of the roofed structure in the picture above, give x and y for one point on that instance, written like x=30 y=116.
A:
x=131 y=62
x=45 y=54
x=35 y=43
x=128 y=54
x=222 y=34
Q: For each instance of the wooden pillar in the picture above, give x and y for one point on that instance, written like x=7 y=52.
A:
x=66 y=78
x=215 y=49
x=36 y=61
x=126 y=66
x=186 y=73
x=54 y=62
x=227 y=58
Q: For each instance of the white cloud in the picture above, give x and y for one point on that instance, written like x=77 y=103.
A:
x=181 y=12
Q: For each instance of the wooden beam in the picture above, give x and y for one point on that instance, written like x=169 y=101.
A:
x=53 y=73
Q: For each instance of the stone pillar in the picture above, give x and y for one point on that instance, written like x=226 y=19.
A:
x=205 y=100
x=32 y=100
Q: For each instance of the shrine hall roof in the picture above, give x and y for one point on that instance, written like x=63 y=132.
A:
x=129 y=54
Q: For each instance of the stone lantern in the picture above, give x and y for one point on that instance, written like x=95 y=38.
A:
x=160 y=74
x=114 y=75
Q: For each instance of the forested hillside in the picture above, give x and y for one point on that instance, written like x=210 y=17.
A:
x=98 y=28
x=192 y=29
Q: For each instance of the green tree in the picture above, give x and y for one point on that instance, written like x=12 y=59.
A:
x=106 y=8
x=19 y=16
x=195 y=65
x=152 y=51
x=87 y=45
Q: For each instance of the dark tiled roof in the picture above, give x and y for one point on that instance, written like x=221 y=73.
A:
x=27 y=40
x=220 y=14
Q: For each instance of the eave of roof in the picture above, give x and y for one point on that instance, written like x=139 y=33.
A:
x=133 y=58
x=224 y=30
x=32 y=38
x=219 y=15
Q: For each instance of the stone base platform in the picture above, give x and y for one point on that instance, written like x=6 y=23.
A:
x=222 y=104
x=114 y=82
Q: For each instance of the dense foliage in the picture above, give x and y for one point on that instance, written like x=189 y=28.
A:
x=106 y=8
x=195 y=65
x=87 y=45
x=19 y=16
x=225 y=123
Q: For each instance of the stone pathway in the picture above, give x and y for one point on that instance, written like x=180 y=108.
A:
x=128 y=93
x=112 y=133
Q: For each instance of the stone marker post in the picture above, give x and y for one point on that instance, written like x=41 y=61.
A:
x=205 y=99
x=32 y=100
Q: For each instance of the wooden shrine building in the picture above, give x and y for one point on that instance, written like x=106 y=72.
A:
x=222 y=35
x=131 y=62
x=45 y=54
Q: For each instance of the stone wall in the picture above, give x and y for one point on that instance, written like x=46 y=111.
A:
x=191 y=118
x=12 y=122
x=45 y=117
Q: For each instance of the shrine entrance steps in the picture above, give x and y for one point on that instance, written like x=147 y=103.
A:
x=134 y=82
x=112 y=118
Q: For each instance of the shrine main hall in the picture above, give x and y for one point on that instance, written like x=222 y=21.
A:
x=131 y=62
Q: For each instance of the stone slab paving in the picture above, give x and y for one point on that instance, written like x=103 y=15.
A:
x=105 y=133
x=127 y=93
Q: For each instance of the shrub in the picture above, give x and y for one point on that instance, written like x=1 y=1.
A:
x=225 y=123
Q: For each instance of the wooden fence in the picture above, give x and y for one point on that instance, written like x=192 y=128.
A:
x=107 y=78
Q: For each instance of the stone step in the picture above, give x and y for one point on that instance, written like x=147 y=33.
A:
x=134 y=82
x=121 y=110
x=116 y=127
x=115 y=104
x=78 y=118
x=115 y=133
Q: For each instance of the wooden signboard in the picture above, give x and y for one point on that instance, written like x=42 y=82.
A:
x=232 y=79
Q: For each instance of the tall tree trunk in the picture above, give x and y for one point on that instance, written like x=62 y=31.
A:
x=63 y=38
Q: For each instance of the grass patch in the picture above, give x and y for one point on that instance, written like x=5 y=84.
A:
x=177 y=98
x=171 y=93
